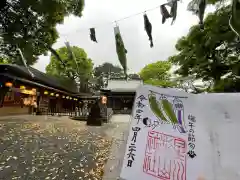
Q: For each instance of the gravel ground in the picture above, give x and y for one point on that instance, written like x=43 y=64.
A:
x=39 y=147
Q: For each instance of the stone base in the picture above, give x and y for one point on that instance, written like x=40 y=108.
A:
x=95 y=122
x=79 y=118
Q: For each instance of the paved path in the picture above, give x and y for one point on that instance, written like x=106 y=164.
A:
x=39 y=148
x=114 y=164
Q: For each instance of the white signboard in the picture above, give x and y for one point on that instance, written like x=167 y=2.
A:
x=168 y=139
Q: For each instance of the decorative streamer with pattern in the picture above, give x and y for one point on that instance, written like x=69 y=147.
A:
x=148 y=29
x=179 y=111
x=120 y=48
x=155 y=107
x=167 y=107
x=169 y=111
x=164 y=12
x=198 y=8
x=173 y=10
x=93 y=35
x=165 y=112
x=202 y=7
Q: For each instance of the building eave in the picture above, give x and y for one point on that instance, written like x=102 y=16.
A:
x=36 y=84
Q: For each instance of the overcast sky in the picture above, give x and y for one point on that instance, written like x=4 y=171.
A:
x=100 y=14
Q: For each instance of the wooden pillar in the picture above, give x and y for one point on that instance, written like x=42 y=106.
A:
x=113 y=101
x=3 y=92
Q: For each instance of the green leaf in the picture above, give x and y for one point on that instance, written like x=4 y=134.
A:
x=70 y=70
x=31 y=25
x=199 y=55
x=157 y=74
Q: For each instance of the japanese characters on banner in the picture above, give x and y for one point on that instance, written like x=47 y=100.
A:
x=167 y=141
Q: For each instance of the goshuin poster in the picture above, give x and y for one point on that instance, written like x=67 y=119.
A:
x=167 y=139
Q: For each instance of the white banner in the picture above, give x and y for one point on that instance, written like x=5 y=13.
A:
x=175 y=136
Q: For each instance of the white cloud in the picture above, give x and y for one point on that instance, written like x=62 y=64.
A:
x=100 y=14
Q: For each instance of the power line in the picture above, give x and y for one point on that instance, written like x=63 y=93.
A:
x=114 y=22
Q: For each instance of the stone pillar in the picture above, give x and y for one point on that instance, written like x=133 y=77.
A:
x=85 y=109
x=94 y=117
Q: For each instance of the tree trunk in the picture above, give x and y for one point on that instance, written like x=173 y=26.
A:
x=216 y=73
x=83 y=85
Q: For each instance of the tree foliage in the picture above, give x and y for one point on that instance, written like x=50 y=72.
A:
x=109 y=71
x=102 y=73
x=79 y=71
x=157 y=74
x=3 y=61
x=106 y=68
x=31 y=25
x=209 y=53
x=134 y=76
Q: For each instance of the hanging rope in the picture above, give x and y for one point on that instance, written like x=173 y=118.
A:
x=111 y=23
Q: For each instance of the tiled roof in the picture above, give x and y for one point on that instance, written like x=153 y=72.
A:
x=123 y=85
x=38 y=77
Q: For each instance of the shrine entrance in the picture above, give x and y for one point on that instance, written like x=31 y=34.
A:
x=121 y=103
x=120 y=94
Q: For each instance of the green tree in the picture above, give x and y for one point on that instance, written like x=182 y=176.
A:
x=134 y=76
x=108 y=71
x=103 y=72
x=106 y=68
x=209 y=53
x=31 y=26
x=78 y=70
x=3 y=61
x=157 y=74
x=198 y=8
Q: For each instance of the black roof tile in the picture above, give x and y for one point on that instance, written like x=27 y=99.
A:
x=38 y=77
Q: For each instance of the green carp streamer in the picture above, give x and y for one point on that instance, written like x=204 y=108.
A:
x=167 y=106
x=121 y=52
x=154 y=105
